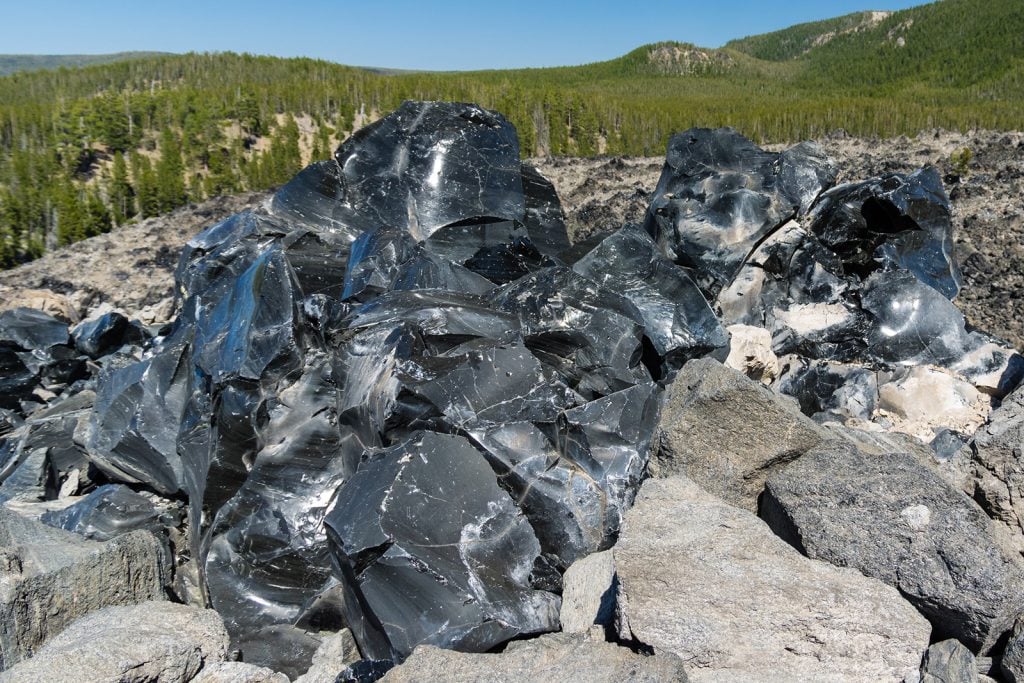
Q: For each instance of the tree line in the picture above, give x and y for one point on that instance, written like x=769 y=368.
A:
x=84 y=150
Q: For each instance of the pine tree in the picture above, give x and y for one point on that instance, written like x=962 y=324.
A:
x=145 y=185
x=122 y=195
x=284 y=158
x=95 y=215
x=321 y=144
x=170 y=174
x=247 y=112
x=69 y=213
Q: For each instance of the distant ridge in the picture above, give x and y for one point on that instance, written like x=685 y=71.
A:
x=10 y=64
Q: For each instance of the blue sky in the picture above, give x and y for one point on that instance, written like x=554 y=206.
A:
x=401 y=34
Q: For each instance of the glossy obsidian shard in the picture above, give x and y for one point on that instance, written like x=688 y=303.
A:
x=389 y=397
x=862 y=273
x=676 y=317
x=426 y=166
x=435 y=551
x=106 y=334
x=894 y=222
x=109 y=511
x=36 y=354
x=720 y=195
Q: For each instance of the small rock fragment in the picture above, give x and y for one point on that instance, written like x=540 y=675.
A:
x=750 y=352
x=238 y=672
x=949 y=662
x=1012 y=663
x=588 y=593
x=336 y=652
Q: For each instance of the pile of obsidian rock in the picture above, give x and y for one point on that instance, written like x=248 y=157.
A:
x=397 y=400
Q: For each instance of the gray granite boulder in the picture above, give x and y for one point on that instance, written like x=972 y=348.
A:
x=727 y=432
x=711 y=583
x=49 y=578
x=155 y=642
x=995 y=466
x=895 y=519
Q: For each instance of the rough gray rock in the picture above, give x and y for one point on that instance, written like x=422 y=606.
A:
x=995 y=469
x=588 y=593
x=883 y=442
x=711 y=583
x=336 y=652
x=899 y=521
x=949 y=662
x=553 y=657
x=238 y=672
x=49 y=578
x=155 y=642
x=727 y=432
x=1012 y=664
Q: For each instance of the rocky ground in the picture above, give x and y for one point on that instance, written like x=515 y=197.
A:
x=132 y=268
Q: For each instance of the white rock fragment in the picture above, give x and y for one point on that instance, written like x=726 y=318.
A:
x=750 y=352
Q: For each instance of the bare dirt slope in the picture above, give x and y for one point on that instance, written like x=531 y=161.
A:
x=132 y=268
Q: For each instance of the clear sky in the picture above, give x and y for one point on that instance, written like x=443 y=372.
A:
x=409 y=34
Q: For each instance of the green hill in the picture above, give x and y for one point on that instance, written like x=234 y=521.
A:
x=12 y=63
x=84 y=149
x=798 y=40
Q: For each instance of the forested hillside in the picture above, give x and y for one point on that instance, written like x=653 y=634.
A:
x=12 y=63
x=84 y=149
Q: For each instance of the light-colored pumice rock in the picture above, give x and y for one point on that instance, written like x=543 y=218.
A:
x=57 y=305
x=712 y=584
x=336 y=651
x=750 y=352
x=808 y=319
x=588 y=593
x=52 y=577
x=727 y=432
x=924 y=399
x=154 y=642
x=552 y=657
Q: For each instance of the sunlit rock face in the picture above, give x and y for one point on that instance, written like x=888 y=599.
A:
x=394 y=398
